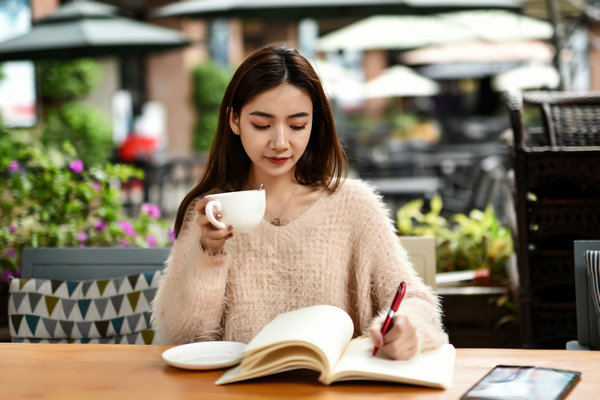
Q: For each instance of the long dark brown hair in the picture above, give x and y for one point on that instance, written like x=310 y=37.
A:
x=323 y=162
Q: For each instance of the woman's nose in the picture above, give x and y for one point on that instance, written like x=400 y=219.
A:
x=279 y=139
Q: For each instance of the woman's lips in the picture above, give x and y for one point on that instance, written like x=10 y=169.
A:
x=277 y=160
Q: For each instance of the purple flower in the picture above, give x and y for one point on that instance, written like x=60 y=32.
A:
x=76 y=166
x=151 y=240
x=96 y=185
x=172 y=234
x=11 y=253
x=127 y=228
x=81 y=245
x=82 y=236
x=100 y=225
x=124 y=243
x=5 y=277
x=13 y=165
x=12 y=229
x=151 y=209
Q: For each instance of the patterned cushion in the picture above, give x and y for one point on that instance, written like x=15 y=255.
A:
x=113 y=310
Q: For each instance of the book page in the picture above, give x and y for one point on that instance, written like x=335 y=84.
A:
x=326 y=328
x=433 y=368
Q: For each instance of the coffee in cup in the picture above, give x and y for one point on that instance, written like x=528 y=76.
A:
x=243 y=209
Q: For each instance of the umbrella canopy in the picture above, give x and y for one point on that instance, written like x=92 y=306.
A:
x=338 y=82
x=533 y=76
x=88 y=29
x=298 y=9
x=480 y=51
x=413 y=31
x=400 y=81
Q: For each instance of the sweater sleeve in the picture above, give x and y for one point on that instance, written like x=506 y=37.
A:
x=384 y=261
x=190 y=300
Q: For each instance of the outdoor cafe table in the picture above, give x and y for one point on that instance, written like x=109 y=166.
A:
x=103 y=371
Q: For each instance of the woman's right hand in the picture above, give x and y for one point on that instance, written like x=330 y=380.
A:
x=212 y=239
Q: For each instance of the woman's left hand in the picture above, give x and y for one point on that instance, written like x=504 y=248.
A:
x=400 y=342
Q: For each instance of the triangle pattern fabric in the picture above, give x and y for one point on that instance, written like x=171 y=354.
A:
x=113 y=310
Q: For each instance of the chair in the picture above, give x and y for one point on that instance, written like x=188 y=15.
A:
x=588 y=318
x=85 y=295
x=557 y=200
x=90 y=262
x=421 y=252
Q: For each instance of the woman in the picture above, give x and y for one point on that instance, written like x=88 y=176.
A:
x=324 y=239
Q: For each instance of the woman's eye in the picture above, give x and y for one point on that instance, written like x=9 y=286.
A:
x=298 y=127
x=260 y=127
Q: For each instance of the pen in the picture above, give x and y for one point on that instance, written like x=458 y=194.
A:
x=387 y=324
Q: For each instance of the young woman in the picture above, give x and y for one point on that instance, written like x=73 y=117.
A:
x=324 y=239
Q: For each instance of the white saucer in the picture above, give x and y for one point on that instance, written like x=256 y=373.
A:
x=204 y=355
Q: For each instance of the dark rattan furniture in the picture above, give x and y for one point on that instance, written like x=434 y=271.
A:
x=557 y=200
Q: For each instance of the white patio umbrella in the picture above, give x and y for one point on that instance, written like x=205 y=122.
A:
x=481 y=51
x=400 y=81
x=407 y=32
x=532 y=76
x=340 y=83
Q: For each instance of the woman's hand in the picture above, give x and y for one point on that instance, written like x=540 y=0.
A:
x=212 y=239
x=400 y=342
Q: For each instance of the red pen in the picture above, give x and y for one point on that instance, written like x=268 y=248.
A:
x=387 y=324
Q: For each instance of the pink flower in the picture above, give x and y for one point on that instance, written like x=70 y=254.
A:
x=172 y=234
x=82 y=236
x=11 y=253
x=127 y=228
x=124 y=243
x=13 y=165
x=151 y=240
x=12 y=229
x=151 y=209
x=96 y=185
x=100 y=225
x=76 y=166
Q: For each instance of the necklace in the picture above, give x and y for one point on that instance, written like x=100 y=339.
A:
x=277 y=220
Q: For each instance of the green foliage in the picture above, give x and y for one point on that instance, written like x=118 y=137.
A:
x=84 y=126
x=51 y=198
x=466 y=242
x=209 y=83
x=68 y=80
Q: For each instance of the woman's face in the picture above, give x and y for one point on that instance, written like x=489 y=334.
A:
x=274 y=128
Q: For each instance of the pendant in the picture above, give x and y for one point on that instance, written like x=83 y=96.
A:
x=276 y=222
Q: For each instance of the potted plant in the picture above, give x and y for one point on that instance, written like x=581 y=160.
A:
x=482 y=315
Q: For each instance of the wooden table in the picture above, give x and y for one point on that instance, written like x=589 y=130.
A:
x=88 y=371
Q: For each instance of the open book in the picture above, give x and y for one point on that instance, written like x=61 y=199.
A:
x=319 y=338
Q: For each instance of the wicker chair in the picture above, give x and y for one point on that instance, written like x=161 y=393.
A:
x=557 y=200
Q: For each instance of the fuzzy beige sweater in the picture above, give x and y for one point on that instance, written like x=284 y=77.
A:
x=342 y=251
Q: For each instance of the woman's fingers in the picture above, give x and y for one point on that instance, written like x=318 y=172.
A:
x=401 y=341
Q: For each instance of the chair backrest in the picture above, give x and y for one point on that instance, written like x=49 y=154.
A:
x=74 y=263
x=87 y=295
x=421 y=252
x=588 y=321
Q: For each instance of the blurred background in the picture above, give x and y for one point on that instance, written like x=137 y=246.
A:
x=416 y=85
x=108 y=109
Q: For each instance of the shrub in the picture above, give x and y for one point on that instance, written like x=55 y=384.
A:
x=209 y=83
x=52 y=198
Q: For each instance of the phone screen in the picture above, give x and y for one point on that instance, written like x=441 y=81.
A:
x=523 y=383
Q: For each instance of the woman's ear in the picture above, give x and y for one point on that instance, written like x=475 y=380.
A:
x=234 y=122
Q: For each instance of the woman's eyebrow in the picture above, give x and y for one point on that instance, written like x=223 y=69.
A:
x=267 y=115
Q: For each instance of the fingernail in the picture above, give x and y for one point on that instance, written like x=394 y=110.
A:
x=230 y=228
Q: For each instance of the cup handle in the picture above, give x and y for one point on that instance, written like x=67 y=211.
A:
x=210 y=208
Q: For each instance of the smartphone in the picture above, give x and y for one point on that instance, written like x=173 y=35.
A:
x=523 y=383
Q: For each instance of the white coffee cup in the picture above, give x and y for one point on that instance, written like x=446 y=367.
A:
x=243 y=210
